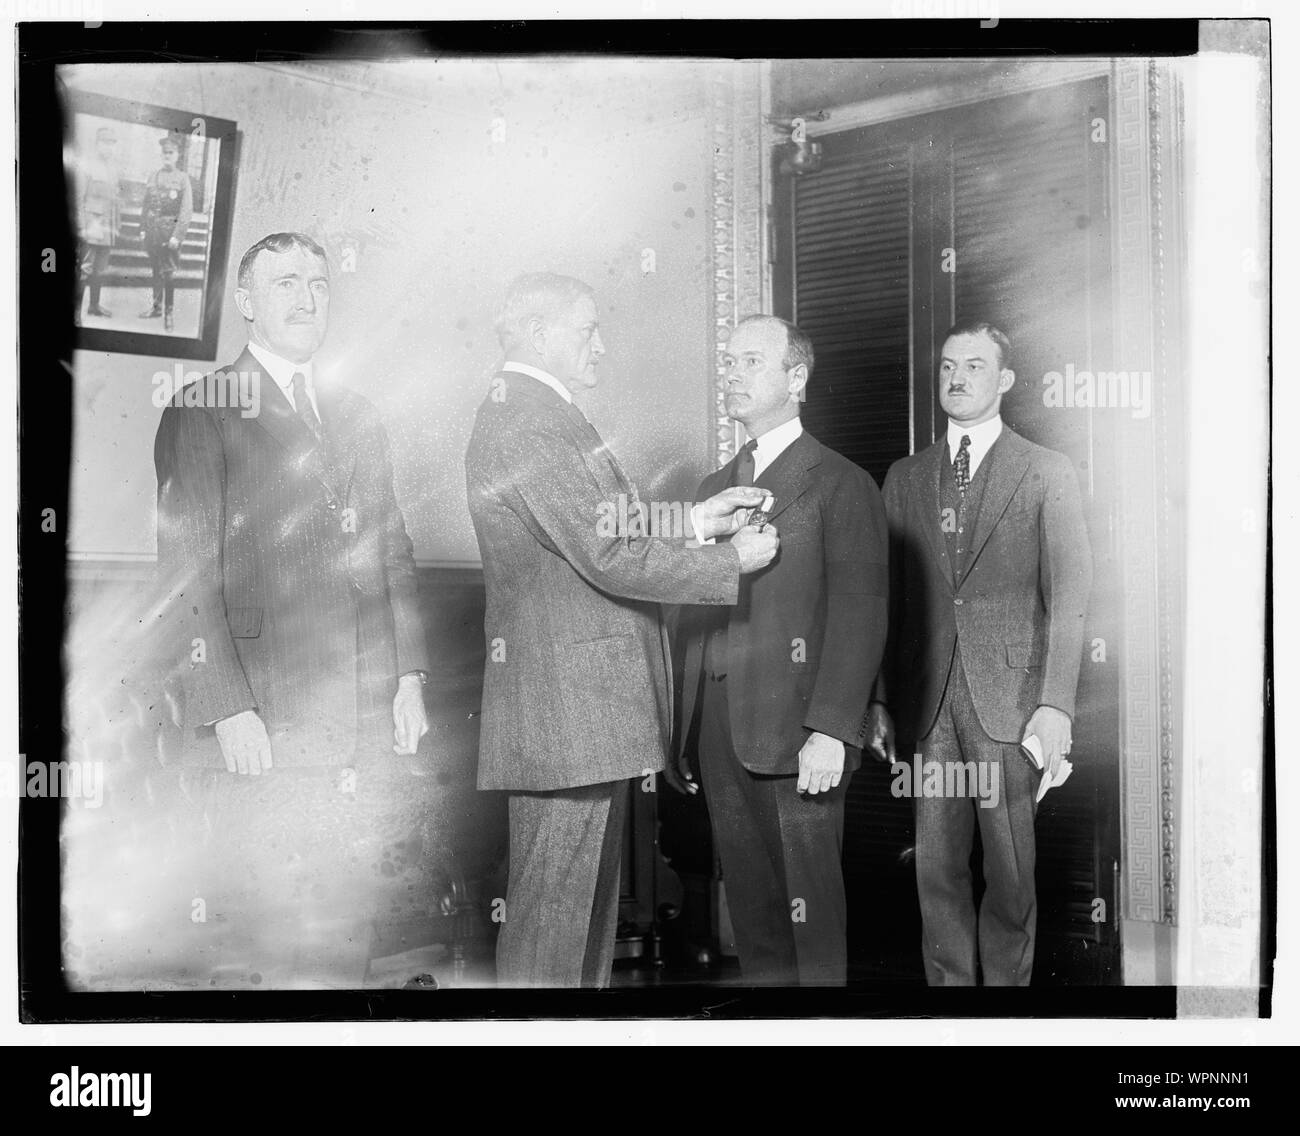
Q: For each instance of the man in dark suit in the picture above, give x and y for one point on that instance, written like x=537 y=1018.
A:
x=577 y=686
x=991 y=571
x=292 y=599
x=781 y=682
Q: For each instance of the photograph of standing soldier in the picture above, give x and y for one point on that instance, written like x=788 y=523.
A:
x=164 y=221
x=97 y=185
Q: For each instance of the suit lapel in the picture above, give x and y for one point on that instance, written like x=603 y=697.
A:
x=278 y=418
x=925 y=499
x=340 y=449
x=1008 y=464
x=718 y=480
x=789 y=477
x=585 y=434
x=276 y=414
x=598 y=447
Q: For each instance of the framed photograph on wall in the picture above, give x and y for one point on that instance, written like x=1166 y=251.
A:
x=150 y=193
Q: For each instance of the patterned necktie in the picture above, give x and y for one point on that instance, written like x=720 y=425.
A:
x=961 y=466
x=302 y=404
x=744 y=473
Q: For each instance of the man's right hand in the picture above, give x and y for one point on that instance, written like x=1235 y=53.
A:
x=244 y=743
x=880 y=733
x=726 y=512
x=680 y=777
x=757 y=547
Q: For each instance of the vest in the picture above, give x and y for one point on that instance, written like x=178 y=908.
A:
x=959 y=524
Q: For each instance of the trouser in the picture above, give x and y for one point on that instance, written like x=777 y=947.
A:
x=561 y=914
x=92 y=263
x=780 y=852
x=1000 y=936
x=163 y=260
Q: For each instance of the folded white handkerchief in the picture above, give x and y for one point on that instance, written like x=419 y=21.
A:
x=1034 y=750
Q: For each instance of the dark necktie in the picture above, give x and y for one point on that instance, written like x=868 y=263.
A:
x=961 y=466
x=717 y=642
x=302 y=404
x=744 y=471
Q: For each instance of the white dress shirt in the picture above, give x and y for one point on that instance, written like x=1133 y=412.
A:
x=541 y=376
x=282 y=372
x=981 y=437
x=774 y=443
x=769 y=447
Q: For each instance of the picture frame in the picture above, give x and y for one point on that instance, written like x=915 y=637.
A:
x=137 y=174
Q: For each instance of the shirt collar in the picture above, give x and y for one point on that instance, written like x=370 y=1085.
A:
x=283 y=370
x=776 y=441
x=981 y=437
x=541 y=376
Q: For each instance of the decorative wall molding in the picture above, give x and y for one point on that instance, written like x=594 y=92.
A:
x=1146 y=254
x=737 y=220
x=1168 y=229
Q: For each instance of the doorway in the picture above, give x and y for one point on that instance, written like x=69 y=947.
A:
x=997 y=209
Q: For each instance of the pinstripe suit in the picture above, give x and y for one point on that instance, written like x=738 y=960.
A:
x=291 y=564
x=577 y=694
x=292 y=591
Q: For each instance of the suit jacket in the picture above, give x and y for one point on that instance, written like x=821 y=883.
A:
x=168 y=206
x=807 y=634
x=577 y=684
x=99 y=202
x=288 y=572
x=1017 y=615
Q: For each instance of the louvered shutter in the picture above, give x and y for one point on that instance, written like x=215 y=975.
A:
x=852 y=261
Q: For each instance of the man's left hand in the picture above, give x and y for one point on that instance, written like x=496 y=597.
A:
x=679 y=777
x=821 y=764
x=1053 y=729
x=410 y=723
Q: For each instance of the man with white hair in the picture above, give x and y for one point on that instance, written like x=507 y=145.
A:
x=577 y=691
